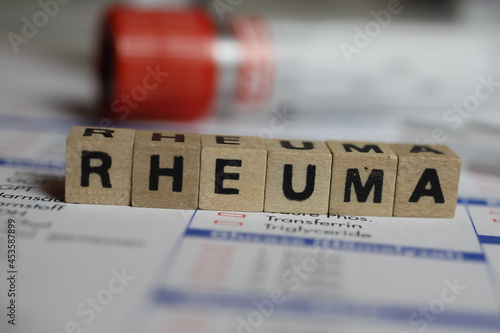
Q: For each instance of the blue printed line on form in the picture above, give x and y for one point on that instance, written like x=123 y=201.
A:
x=489 y=239
x=27 y=163
x=491 y=202
x=340 y=245
x=165 y=296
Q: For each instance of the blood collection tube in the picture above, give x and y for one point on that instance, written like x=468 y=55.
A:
x=184 y=63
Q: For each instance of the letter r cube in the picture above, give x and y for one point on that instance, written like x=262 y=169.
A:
x=99 y=165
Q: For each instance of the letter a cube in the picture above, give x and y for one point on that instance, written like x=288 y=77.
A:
x=427 y=181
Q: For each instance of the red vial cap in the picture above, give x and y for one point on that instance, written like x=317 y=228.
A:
x=158 y=64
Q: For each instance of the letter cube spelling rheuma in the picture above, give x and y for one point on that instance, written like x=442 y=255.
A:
x=178 y=170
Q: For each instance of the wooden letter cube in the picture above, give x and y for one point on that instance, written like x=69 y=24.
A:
x=233 y=173
x=166 y=169
x=298 y=176
x=99 y=165
x=427 y=182
x=363 y=178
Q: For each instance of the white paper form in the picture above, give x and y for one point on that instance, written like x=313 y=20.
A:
x=265 y=272
x=93 y=268
x=393 y=270
x=76 y=267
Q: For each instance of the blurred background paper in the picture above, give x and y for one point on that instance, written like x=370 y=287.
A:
x=405 y=84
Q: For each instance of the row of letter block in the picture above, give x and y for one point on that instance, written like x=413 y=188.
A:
x=165 y=169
